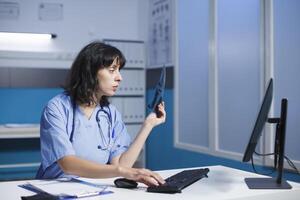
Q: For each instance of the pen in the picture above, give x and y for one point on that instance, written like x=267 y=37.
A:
x=88 y=194
x=113 y=133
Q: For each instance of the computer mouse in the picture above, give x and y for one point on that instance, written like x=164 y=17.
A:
x=125 y=183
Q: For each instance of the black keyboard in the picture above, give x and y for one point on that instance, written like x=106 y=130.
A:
x=177 y=182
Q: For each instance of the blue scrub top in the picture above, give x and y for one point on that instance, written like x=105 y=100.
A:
x=55 y=131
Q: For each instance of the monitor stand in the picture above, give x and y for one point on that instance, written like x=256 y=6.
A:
x=266 y=183
x=279 y=182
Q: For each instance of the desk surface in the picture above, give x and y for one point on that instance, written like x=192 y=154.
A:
x=222 y=183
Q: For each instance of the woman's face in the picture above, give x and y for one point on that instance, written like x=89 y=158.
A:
x=109 y=79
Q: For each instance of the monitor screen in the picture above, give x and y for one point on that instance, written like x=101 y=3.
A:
x=262 y=117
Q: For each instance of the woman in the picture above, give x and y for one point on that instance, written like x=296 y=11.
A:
x=82 y=134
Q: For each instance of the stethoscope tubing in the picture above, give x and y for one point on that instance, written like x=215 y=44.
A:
x=108 y=113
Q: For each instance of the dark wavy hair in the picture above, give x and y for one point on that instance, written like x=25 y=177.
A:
x=82 y=83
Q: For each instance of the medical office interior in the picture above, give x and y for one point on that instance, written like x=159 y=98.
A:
x=219 y=56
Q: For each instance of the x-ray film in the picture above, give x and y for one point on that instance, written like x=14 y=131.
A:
x=159 y=91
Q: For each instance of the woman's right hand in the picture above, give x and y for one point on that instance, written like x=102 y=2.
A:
x=153 y=119
x=141 y=175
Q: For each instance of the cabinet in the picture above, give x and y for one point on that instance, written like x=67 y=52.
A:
x=130 y=97
x=19 y=151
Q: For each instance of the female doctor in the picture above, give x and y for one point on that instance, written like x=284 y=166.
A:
x=82 y=134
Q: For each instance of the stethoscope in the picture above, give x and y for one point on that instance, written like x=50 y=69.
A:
x=107 y=114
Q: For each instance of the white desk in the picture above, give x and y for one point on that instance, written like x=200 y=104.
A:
x=223 y=183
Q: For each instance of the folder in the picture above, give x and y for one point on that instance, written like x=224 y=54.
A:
x=65 y=188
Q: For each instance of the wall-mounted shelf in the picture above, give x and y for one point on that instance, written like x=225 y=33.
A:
x=23 y=131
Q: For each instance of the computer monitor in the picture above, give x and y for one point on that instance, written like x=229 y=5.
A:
x=262 y=118
x=159 y=92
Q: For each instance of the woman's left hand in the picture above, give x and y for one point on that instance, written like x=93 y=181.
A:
x=153 y=119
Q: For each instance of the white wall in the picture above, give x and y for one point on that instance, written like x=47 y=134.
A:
x=83 y=21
